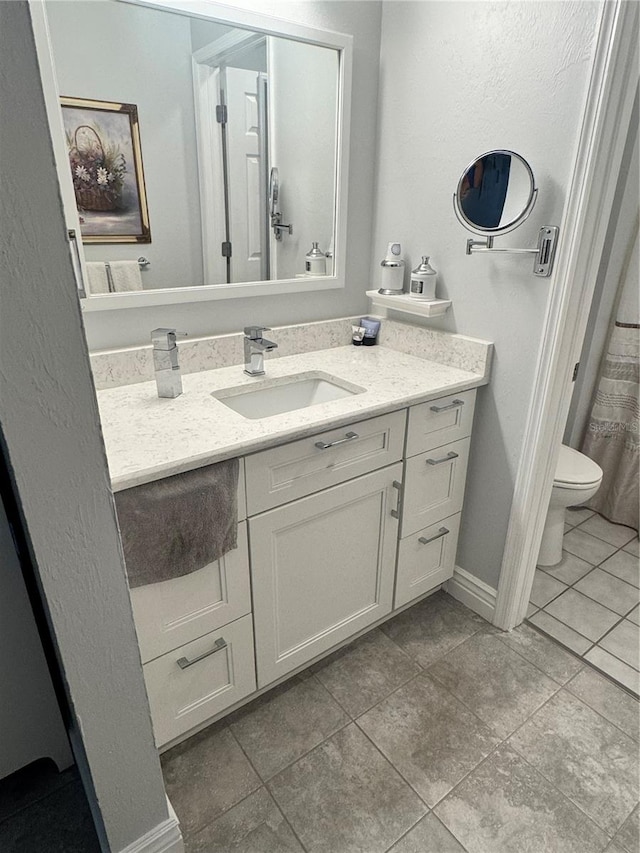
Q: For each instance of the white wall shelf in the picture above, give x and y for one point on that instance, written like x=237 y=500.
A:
x=406 y=304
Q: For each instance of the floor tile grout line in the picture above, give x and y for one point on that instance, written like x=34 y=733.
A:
x=503 y=742
x=603 y=568
x=233 y=805
x=575 y=630
x=621 y=618
x=614 y=577
x=302 y=755
x=396 y=770
x=586 y=662
x=568 y=796
x=382 y=699
x=589 y=666
x=595 y=535
x=590 y=599
x=617 y=657
x=267 y=789
x=430 y=812
x=564 y=648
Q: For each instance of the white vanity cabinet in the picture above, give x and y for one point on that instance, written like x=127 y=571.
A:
x=336 y=531
x=435 y=470
x=323 y=562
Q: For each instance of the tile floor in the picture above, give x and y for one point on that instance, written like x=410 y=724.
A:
x=589 y=602
x=43 y=811
x=434 y=734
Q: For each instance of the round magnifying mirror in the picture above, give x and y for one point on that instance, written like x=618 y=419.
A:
x=495 y=193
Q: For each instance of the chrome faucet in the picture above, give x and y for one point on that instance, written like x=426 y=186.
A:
x=165 y=362
x=255 y=347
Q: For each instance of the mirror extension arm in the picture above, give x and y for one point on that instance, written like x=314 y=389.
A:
x=545 y=250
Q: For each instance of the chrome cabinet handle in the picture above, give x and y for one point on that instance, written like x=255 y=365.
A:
x=321 y=445
x=454 y=405
x=396 y=512
x=220 y=644
x=442 y=532
x=451 y=455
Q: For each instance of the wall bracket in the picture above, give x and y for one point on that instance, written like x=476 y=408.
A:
x=544 y=252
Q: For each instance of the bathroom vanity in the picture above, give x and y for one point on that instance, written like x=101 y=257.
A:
x=349 y=510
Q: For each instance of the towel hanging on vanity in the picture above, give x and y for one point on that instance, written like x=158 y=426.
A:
x=177 y=525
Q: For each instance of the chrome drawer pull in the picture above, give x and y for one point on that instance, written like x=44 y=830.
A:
x=451 y=455
x=396 y=512
x=220 y=644
x=453 y=405
x=349 y=437
x=442 y=532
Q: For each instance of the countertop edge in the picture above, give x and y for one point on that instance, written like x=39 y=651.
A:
x=255 y=445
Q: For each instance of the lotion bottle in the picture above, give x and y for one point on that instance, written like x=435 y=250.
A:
x=423 y=281
x=315 y=262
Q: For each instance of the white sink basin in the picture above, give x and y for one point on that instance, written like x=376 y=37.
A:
x=277 y=396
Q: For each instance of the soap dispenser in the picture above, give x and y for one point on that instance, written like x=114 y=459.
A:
x=423 y=281
x=392 y=277
x=315 y=261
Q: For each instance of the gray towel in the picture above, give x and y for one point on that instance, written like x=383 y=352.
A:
x=175 y=526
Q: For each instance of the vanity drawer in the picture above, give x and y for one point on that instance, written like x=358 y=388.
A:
x=199 y=680
x=426 y=559
x=171 y=613
x=303 y=467
x=434 y=485
x=440 y=422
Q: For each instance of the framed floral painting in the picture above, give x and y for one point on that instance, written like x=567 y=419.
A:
x=103 y=141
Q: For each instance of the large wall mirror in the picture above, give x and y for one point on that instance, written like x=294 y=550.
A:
x=241 y=153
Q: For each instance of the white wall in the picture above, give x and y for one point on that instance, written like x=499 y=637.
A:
x=130 y=54
x=458 y=79
x=361 y=18
x=51 y=432
x=303 y=106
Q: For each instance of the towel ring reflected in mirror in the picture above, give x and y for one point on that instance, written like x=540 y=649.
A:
x=495 y=195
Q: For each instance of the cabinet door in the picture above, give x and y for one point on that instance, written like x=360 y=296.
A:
x=174 y=612
x=426 y=559
x=322 y=569
x=434 y=485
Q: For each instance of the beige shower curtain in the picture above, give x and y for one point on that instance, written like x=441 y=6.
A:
x=612 y=438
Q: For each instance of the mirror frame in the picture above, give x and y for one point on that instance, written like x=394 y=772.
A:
x=243 y=19
x=505 y=229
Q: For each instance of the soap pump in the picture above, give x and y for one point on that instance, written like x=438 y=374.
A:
x=423 y=281
x=392 y=278
x=315 y=262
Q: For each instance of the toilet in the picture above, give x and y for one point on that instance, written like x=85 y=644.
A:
x=577 y=480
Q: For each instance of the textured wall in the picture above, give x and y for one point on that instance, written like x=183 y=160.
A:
x=457 y=79
x=360 y=18
x=51 y=429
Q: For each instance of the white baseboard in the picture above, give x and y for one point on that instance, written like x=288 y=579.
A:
x=473 y=593
x=163 y=838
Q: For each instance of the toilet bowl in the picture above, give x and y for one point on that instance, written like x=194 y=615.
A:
x=576 y=481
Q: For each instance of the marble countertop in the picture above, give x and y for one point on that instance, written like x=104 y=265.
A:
x=148 y=438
